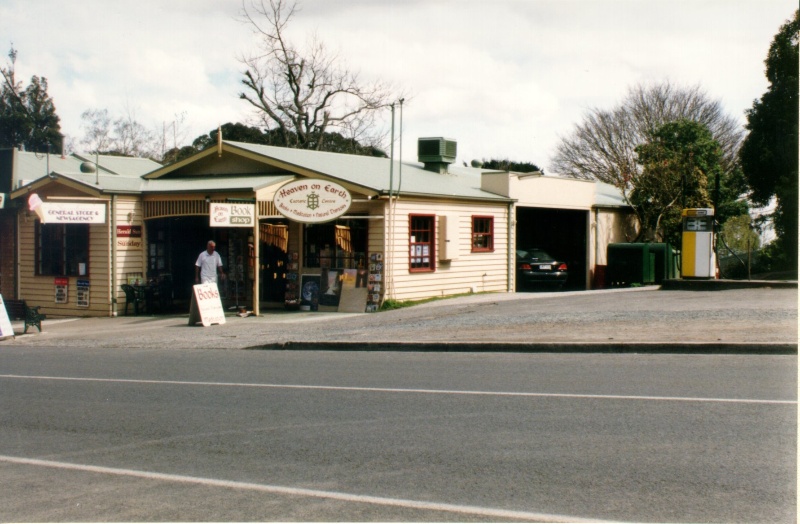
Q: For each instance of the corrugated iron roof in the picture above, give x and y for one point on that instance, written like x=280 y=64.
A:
x=123 y=166
x=124 y=174
x=607 y=195
x=373 y=172
x=32 y=166
x=213 y=183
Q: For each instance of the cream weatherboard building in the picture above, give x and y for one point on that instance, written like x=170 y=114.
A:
x=45 y=263
x=410 y=230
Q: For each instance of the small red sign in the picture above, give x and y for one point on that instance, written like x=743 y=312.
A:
x=61 y=281
x=129 y=231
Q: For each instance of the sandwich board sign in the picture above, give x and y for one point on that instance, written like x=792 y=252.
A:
x=206 y=306
x=5 y=324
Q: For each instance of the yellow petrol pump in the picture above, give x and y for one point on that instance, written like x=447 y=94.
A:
x=698 y=259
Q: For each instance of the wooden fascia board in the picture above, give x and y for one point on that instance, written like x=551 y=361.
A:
x=425 y=196
x=56 y=179
x=158 y=173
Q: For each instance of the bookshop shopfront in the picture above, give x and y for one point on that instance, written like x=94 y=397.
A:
x=283 y=244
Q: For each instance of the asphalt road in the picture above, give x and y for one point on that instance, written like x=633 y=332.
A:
x=750 y=320
x=210 y=435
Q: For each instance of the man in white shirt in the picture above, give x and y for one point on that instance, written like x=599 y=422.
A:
x=209 y=261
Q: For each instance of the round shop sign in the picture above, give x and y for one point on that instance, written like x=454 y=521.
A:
x=312 y=200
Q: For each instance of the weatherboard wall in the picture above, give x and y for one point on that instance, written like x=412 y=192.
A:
x=39 y=290
x=466 y=271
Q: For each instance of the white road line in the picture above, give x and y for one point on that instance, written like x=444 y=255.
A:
x=406 y=390
x=525 y=516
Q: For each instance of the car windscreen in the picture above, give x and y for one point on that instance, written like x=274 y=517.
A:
x=534 y=254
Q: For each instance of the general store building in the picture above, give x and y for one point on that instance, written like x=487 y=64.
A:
x=410 y=230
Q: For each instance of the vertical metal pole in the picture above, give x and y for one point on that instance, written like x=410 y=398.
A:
x=400 y=164
x=391 y=158
x=112 y=237
x=257 y=265
x=390 y=237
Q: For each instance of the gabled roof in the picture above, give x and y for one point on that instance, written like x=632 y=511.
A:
x=261 y=166
x=371 y=174
x=108 y=184
x=32 y=166
x=55 y=178
x=109 y=174
x=409 y=178
x=121 y=165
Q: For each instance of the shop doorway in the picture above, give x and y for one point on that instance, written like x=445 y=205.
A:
x=173 y=246
x=273 y=275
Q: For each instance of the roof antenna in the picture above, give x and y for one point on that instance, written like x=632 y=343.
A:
x=219 y=140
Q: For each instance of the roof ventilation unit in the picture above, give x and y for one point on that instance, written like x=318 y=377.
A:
x=436 y=153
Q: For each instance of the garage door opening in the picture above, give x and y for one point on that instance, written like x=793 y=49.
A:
x=560 y=232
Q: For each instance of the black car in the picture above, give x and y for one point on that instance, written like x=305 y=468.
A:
x=535 y=267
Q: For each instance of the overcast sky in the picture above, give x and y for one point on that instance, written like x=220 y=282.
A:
x=504 y=78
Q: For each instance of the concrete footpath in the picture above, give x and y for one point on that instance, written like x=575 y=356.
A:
x=760 y=318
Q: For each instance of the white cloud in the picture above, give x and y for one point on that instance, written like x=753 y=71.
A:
x=503 y=78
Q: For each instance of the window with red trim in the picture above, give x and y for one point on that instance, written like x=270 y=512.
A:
x=421 y=234
x=482 y=234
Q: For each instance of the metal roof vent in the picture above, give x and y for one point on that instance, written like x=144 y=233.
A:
x=88 y=167
x=436 y=153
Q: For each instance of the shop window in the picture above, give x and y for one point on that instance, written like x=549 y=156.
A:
x=482 y=234
x=157 y=254
x=62 y=249
x=335 y=245
x=421 y=234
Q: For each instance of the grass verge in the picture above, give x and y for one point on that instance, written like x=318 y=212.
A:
x=390 y=304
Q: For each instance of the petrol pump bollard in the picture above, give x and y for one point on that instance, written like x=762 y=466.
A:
x=698 y=259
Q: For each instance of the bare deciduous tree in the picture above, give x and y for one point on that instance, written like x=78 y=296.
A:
x=124 y=136
x=305 y=94
x=96 y=125
x=172 y=134
x=603 y=146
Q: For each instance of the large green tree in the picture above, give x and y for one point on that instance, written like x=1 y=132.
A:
x=510 y=165
x=28 y=116
x=680 y=168
x=769 y=155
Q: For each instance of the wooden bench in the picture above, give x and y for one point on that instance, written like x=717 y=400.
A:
x=19 y=310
